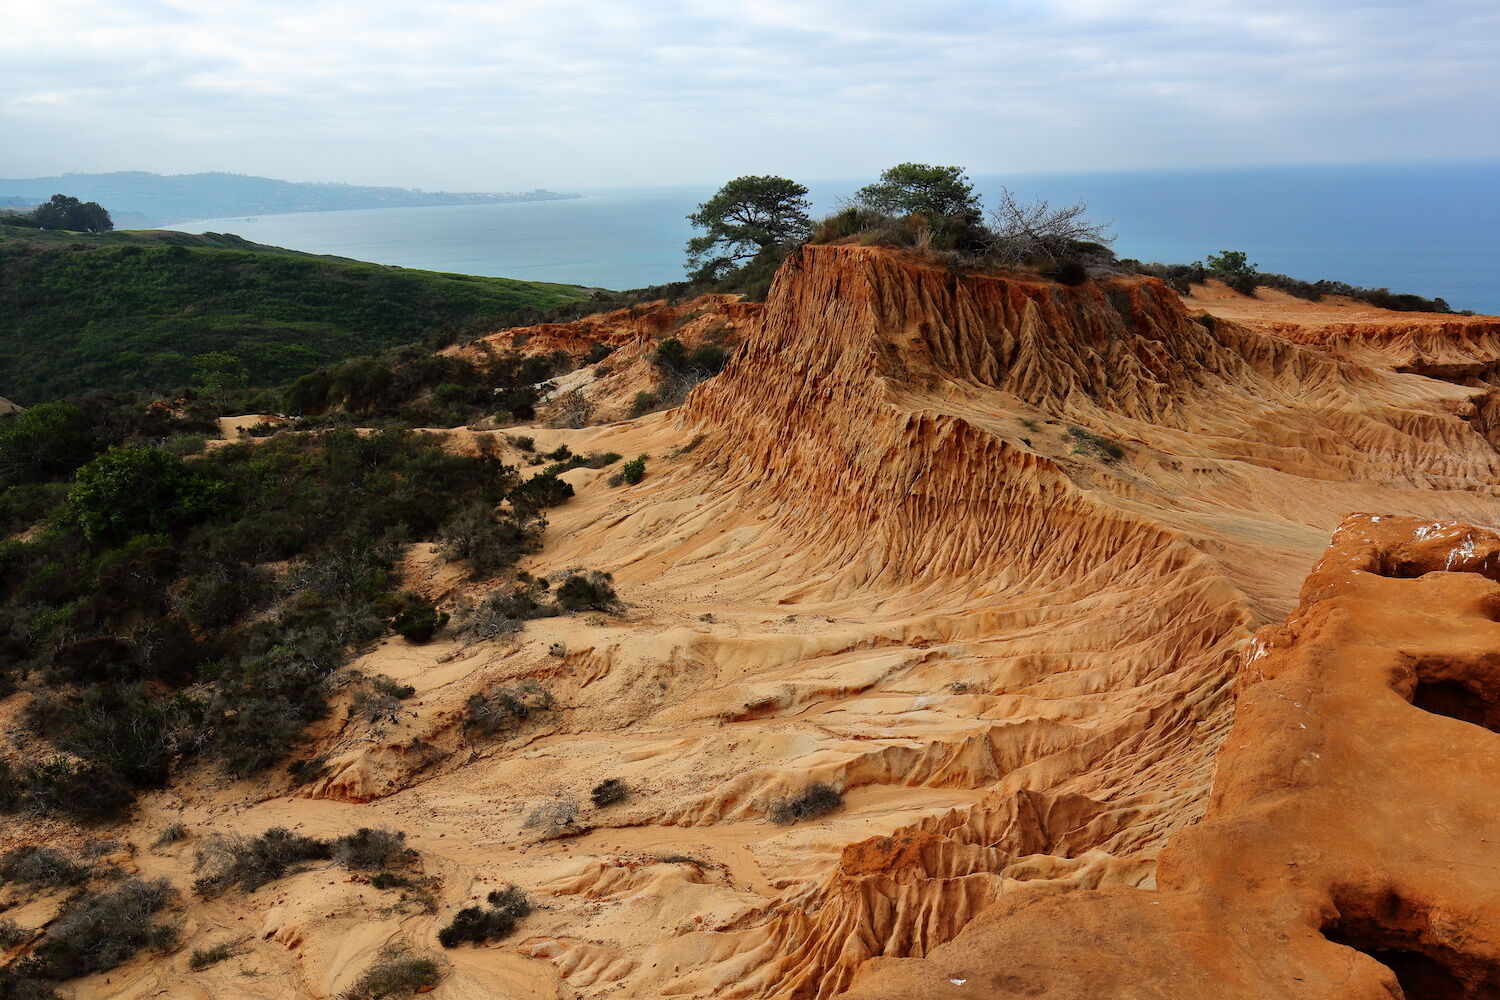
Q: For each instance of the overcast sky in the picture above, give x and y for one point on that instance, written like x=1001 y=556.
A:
x=512 y=94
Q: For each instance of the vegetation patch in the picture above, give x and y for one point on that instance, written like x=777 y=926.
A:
x=815 y=800
x=395 y=974
x=178 y=608
x=1095 y=445
x=611 y=791
x=95 y=932
x=38 y=867
x=233 y=861
x=504 y=709
x=131 y=311
x=202 y=958
x=507 y=907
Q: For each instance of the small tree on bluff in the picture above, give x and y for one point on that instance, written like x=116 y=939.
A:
x=941 y=195
x=65 y=212
x=917 y=188
x=747 y=218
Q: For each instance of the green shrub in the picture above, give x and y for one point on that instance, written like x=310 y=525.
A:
x=128 y=491
x=418 y=620
x=489 y=542
x=58 y=787
x=506 y=908
x=1089 y=443
x=816 y=800
x=372 y=849
x=538 y=493
x=11 y=934
x=644 y=403
x=634 y=470
x=202 y=958
x=609 y=792
x=591 y=591
x=380 y=697
x=47 y=440
x=505 y=612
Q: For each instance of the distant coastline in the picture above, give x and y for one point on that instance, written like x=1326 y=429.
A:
x=141 y=200
x=1421 y=228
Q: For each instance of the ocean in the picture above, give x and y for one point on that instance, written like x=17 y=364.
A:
x=1430 y=229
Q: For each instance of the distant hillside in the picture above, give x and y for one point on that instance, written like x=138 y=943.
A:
x=130 y=310
x=166 y=199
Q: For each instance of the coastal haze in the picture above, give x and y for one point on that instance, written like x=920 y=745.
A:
x=1424 y=228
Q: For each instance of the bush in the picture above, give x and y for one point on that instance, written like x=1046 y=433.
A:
x=127 y=491
x=48 y=440
x=489 y=543
x=98 y=931
x=609 y=792
x=506 y=908
x=504 y=709
x=592 y=591
x=12 y=934
x=816 y=800
x=541 y=491
x=380 y=697
x=394 y=975
x=372 y=849
x=170 y=834
x=251 y=862
x=85 y=792
x=418 y=620
x=41 y=868
x=554 y=816
x=505 y=612
x=634 y=470
x=644 y=403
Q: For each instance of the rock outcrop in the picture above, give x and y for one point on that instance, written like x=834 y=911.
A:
x=1348 y=851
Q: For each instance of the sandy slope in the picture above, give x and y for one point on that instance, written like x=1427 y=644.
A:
x=887 y=549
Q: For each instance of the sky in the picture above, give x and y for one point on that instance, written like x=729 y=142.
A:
x=501 y=95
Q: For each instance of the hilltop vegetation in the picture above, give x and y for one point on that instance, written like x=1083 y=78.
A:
x=131 y=310
x=178 y=197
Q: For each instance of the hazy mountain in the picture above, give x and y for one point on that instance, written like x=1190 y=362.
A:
x=160 y=199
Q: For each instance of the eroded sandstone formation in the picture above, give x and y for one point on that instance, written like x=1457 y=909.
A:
x=984 y=553
x=1349 y=849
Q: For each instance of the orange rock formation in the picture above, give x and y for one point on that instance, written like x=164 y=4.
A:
x=1349 y=848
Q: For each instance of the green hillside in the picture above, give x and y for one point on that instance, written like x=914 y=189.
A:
x=130 y=310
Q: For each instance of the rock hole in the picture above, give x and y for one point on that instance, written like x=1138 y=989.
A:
x=1421 y=977
x=1398 y=936
x=1456 y=701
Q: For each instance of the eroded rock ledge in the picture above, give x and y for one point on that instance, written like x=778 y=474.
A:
x=1351 y=849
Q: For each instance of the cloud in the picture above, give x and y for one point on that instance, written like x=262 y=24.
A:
x=518 y=93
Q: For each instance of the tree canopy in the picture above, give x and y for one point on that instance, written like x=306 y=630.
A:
x=63 y=211
x=130 y=490
x=748 y=217
x=918 y=188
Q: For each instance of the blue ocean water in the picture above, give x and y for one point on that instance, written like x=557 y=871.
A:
x=1430 y=229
